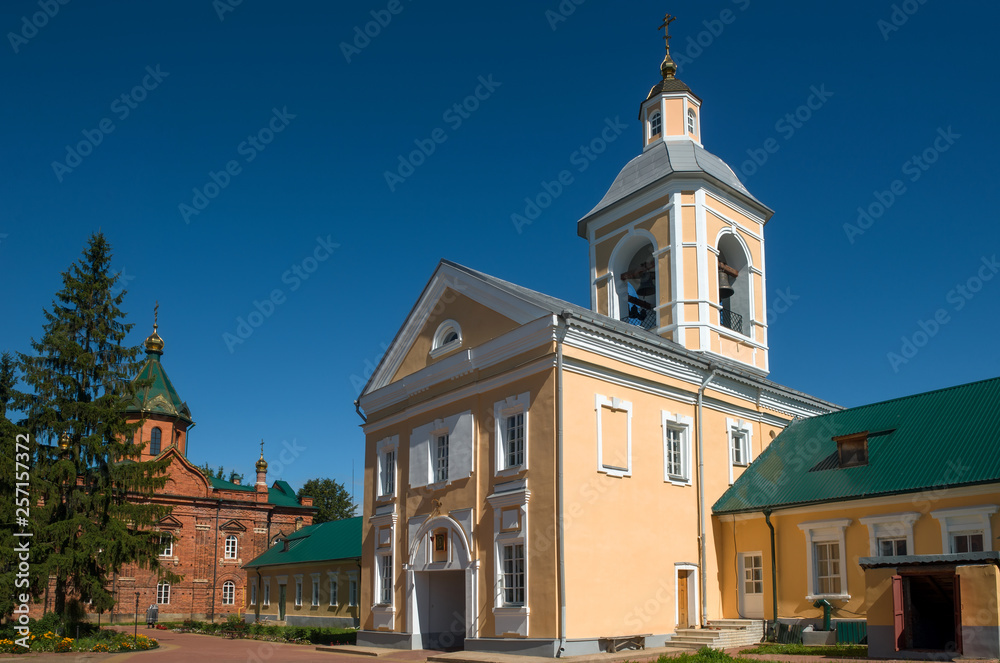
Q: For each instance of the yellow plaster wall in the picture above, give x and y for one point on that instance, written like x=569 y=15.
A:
x=752 y=534
x=878 y=596
x=732 y=213
x=980 y=588
x=673 y=123
x=324 y=609
x=479 y=324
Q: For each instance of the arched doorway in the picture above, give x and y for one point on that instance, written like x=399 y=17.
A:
x=441 y=586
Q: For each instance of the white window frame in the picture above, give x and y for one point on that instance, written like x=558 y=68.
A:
x=229 y=587
x=382 y=448
x=163 y=593
x=315 y=588
x=440 y=439
x=253 y=591
x=438 y=345
x=511 y=406
x=615 y=405
x=168 y=545
x=825 y=531
x=756 y=554
x=655 y=118
x=736 y=428
x=385 y=596
x=461 y=431
x=232 y=538
x=682 y=425
x=692 y=121
x=510 y=618
x=353 y=595
x=890 y=526
x=298 y=590
x=965 y=520
x=266 y=582
x=332 y=587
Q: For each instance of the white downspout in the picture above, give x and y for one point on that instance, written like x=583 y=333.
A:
x=560 y=337
x=702 y=550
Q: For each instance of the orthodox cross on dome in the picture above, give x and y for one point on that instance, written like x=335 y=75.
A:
x=156 y=313
x=667 y=20
x=261 y=447
x=668 y=68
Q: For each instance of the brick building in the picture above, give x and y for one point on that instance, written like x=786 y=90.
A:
x=215 y=526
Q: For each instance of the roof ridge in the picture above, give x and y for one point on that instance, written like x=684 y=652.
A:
x=908 y=396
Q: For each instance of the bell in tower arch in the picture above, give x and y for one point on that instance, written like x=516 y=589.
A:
x=727 y=276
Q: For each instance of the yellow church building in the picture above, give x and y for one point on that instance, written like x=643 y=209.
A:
x=515 y=442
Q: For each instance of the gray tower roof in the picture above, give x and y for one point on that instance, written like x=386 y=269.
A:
x=664 y=159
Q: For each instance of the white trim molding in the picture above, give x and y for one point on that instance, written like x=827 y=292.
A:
x=439 y=346
x=615 y=405
x=735 y=428
x=962 y=519
x=510 y=528
x=825 y=531
x=510 y=406
x=382 y=447
x=890 y=525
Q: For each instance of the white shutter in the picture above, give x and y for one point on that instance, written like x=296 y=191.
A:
x=420 y=456
x=462 y=450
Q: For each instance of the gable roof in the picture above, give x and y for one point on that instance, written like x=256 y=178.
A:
x=159 y=397
x=664 y=159
x=524 y=305
x=337 y=539
x=933 y=440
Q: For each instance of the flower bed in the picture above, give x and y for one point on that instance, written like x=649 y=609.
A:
x=102 y=641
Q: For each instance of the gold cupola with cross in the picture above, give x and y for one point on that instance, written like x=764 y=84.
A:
x=677 y=242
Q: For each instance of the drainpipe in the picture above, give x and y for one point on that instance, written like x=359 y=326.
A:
x=774 y=573
x=702 y=548
x=215 y=559
x=562 y=321
x=357 y=408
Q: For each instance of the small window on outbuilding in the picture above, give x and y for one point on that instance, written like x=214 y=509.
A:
x=852 y=450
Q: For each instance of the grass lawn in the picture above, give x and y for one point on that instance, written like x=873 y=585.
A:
x=832 y=651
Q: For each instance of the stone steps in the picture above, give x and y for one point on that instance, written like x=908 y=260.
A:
x=720 y=634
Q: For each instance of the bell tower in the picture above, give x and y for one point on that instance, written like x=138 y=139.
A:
x=677 y=242
x=167 y=417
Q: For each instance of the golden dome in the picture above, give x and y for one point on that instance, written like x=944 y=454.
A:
x=261 y=463
x=154 y=343
x=64 y=441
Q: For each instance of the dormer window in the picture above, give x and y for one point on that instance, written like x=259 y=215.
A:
x=692 y=117
x=448 y=337
x=655 y=124
x=852 y=450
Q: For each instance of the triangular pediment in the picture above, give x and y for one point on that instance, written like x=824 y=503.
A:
x=169 y=523
x=232 y=526
x=180 y=466
x=481 y=306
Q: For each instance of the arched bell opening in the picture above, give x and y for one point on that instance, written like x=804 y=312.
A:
x=734 y=285
x=634 y=270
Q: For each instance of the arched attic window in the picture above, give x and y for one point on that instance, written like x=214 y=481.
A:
x=154 y=442
x=734 y=285
x=634 y=270
x=655 y=124
x=692 y=122
x=447 y=338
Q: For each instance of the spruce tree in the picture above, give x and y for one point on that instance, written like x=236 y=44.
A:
x=93 y=518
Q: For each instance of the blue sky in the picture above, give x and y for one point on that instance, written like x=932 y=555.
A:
x=233 y=150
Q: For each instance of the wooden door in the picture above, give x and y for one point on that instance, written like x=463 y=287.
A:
x=282 y=595
x=958 y=614
x=898 y=613
x=683 y=620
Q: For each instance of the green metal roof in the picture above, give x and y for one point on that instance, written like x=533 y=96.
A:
x=337 y=539
x=159 y=397
x=933 y=440
x=280 y=494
